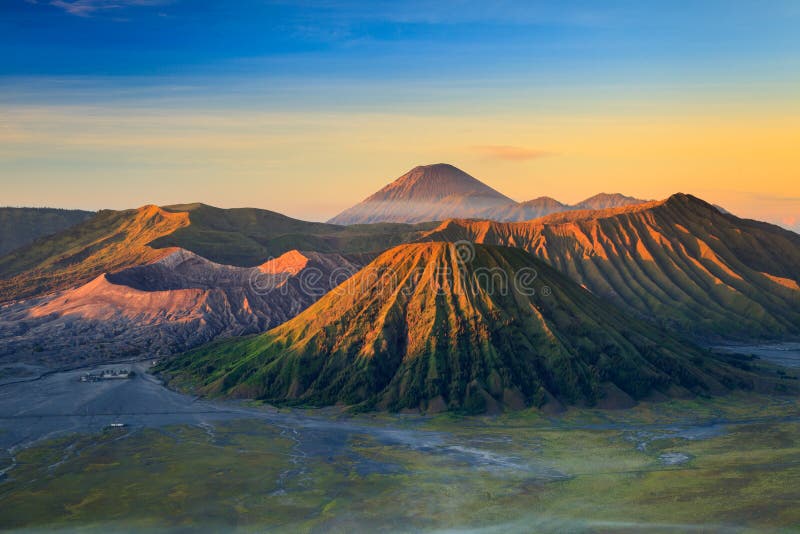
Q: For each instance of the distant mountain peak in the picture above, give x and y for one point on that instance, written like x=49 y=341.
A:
x=603 y=201
x=543 y=200
x=425 y=193
x=441 y=191
x=434 y=182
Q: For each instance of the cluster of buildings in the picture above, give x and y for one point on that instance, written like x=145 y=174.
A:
x=107 y=374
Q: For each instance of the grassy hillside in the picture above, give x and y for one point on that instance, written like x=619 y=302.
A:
x=22 y=226
x=679 y=262
x=247 y=236
x=421 y=328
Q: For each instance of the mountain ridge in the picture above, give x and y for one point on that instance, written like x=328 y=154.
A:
x=111 y=241
x=606 y=200
x=679 y=261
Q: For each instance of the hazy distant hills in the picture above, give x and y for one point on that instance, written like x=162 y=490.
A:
x=604 y=201
x=543 y=206
x=429 y=326
x=441 y=191
x=680 y=262
x=22 y=226
x=178 y=302
x=522 y=211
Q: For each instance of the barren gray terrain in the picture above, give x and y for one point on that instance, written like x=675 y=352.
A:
x=56 y=404
x=174 y=304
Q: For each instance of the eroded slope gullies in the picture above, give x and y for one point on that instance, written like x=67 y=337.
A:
x=437 y=326
x=173 y=304
x=680 y=262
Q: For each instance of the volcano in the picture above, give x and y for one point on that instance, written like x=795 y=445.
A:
x=443 y=326
x=425 y=193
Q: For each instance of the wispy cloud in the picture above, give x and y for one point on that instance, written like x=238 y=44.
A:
x=509 y=153
x=86 y=8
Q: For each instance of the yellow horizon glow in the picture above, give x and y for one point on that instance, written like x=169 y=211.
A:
x=312 y=165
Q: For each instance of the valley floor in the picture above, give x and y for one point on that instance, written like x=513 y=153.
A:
x=730 y=464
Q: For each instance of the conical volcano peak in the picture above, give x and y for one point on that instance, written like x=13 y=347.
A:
x=434 y=182
x=425 y=193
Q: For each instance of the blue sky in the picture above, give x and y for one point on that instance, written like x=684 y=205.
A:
x=397 y=40
x=334 y=75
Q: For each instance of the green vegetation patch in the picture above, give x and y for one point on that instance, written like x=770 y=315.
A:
x=587 y=471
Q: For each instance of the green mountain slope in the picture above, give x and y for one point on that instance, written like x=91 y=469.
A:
x=680 y=262
x=421 y=328
x=22 y=226
x=247 y=236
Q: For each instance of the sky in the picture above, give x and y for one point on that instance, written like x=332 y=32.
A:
x=308 y=107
